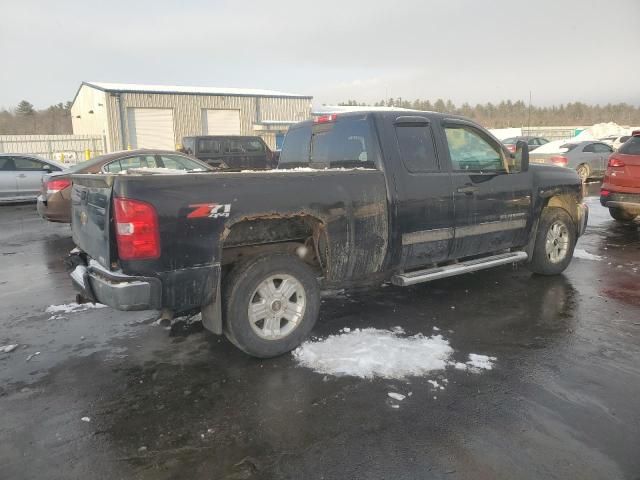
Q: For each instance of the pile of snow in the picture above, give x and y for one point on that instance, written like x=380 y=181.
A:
x=371 y=352
x=600 y=130
x=504 y=133
x=583 y=254
x=59 y=311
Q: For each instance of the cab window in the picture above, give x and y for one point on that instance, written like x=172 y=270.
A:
x=344 y=143
x=295 y=148
x=470 y=151
x=417 y=148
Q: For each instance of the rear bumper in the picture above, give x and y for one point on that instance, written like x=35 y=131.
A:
x=625 y=201
x=54 y=209
x=122 y=292
x=583 y=217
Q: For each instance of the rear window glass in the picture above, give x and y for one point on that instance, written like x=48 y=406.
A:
x=346 y=143
x=631 y=147
x=178 y=162
x=189 y=145
x=417 y=148
x=141 y=161
x=295 y=148
x=624 y=139
x=569 y=146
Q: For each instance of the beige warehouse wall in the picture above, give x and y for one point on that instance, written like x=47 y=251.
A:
x=85 y=123
x=187 y=112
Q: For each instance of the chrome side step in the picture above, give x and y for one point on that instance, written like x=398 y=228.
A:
x=420 y=276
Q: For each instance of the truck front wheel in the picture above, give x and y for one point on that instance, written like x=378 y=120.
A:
x=554 y=244
x=271 y=303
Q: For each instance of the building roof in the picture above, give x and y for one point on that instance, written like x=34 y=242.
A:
x=182 y=89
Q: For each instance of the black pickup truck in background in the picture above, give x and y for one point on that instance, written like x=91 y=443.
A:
x=358 y=198
x=232 y=152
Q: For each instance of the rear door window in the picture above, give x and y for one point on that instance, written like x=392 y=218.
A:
x=417 y=148
x=602 y=148
x=234 y=146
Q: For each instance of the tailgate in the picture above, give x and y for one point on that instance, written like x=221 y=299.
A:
x=90 y=212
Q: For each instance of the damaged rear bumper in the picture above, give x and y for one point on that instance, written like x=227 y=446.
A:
x=122 y=292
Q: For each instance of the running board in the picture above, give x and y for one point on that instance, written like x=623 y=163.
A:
x=420 y=276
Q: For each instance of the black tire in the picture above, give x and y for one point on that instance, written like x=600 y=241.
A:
x=584 y=172
x=542 y=261
x=621 y=216
x=239 y=290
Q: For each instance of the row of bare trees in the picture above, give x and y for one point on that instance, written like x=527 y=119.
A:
x=26 y=120
x=518 y=114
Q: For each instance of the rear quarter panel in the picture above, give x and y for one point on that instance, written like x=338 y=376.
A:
x=351 y=207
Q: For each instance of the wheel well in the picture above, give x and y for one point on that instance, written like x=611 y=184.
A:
x=296 y=234
x=567 y=203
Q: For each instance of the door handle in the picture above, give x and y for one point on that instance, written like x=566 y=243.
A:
x=467 y=189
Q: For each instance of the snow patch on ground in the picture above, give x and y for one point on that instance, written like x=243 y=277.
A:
x=371 y=352
x=58 y=311
x=8 y=348
x=583 y=254
x=397 y=396
x=481 y=362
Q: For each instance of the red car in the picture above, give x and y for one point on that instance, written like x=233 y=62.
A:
x=620 y=191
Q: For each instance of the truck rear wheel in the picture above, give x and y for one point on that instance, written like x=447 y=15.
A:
x=554 y=244
x=271 y=303
x=620 y=215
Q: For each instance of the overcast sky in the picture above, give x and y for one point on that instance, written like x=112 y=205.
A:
x=465 y=50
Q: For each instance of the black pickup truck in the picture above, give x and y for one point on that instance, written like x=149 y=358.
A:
x=358 y=198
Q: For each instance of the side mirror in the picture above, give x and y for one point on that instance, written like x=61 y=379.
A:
x=521 y=157
x=47 y=168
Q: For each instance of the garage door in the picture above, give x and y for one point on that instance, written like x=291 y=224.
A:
x=151 y=128
x=221 y=122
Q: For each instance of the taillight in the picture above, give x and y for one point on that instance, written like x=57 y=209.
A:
x=559 y=160
x=325 y=118
x=615 y=162
x=53 y=185
x=136 y=229
x=604 y=193
x=511 y=148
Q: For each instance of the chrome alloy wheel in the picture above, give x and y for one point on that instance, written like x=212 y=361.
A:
x=277 y=307
x=557 y=243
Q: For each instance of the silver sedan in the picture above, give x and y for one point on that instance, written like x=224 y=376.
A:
x=588 y=158
x=21 y=176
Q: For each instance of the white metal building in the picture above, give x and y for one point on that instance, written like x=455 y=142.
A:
x=158 y=116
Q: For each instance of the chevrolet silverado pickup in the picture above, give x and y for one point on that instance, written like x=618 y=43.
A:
x=357 y=199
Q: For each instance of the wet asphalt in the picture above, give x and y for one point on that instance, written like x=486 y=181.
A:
x=563 y=400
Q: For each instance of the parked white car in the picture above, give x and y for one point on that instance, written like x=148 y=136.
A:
x=21 y=176
x=615 y=141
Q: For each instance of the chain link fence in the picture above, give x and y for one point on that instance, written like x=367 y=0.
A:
x=65 y=149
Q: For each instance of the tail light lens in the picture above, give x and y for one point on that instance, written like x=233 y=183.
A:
x=511 y=148
x=325 y=118
x=615 y=162
x=137 y=232
x=54 y=186
x=604 y=193
x=559 y=160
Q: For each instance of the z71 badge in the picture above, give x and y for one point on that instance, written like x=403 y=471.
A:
x=210 y=210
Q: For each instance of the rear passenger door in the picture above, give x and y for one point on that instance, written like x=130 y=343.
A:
x=492 y=205
x=425 y=205
x=29 y=175
x=8 y=178
x=603 y=151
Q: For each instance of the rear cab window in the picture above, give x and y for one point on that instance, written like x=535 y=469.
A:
x=343 y=142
